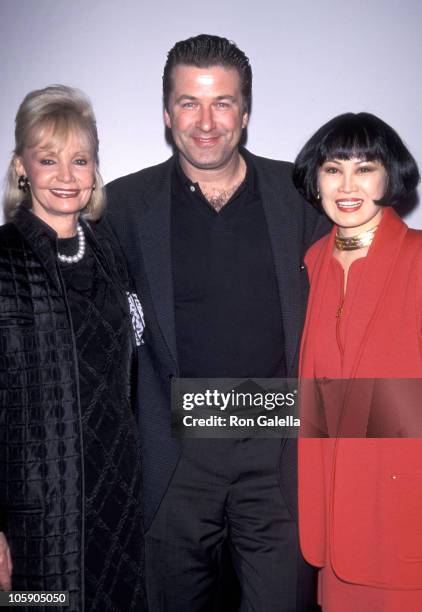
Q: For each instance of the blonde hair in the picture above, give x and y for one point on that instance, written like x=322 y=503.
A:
x=62 y=110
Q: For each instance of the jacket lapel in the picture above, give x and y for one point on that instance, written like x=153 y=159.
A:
x=369 y=298
x=315 y=302
x=284 y=239
x=151 y=221
x=375 y=278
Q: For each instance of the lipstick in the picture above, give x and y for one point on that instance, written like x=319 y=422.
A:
x=349 y=205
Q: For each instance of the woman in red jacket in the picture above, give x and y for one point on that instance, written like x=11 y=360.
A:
x=360 y=500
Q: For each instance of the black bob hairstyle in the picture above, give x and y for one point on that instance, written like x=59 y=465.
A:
x=363 y=136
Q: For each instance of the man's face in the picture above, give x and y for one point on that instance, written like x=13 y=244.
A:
x=206 y=115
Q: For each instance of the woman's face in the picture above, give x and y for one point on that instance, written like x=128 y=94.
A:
x=61 y=176
x=348 y=189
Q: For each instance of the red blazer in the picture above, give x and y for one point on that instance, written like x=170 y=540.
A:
x=366 y=504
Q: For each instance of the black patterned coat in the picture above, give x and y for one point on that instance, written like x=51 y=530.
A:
x=41 y=442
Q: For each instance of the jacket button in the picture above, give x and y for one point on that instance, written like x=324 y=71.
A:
x=301 y=268
x=393 y=476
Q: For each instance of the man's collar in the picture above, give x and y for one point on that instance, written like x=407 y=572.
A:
x=249 y=181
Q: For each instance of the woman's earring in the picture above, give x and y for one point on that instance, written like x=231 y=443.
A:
x=23 y=183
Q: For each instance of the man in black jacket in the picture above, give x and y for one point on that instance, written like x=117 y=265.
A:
x=214 y=238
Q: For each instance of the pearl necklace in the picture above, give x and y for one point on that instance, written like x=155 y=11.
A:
x=81 y=248
x=352 y=243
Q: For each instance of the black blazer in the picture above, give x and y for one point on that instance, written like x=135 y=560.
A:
x=139 y=214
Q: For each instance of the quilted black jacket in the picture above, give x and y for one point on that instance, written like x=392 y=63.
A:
x=41 y=478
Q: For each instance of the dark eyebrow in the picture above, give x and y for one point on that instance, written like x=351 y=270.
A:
x=193 y=98
x=184 y=97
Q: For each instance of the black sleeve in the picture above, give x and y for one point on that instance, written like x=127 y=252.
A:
x=317 y=224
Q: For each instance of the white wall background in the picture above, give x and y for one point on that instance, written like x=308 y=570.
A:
x=311 y=60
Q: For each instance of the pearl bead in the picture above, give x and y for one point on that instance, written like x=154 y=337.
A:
x=81 y=248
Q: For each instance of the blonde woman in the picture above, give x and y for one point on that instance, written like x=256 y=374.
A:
x=70 y=485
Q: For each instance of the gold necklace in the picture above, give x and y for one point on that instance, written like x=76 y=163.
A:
x=352 y=243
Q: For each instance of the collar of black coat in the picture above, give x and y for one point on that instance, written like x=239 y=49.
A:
x=42 y=239
x=35 y=228
x=30 y=225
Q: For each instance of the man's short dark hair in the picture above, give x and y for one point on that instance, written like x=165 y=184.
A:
x=204 y=51
x=362 y=136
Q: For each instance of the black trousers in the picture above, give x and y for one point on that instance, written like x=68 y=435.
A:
x=226 y=493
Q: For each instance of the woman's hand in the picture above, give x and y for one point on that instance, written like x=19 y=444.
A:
x=5 y=564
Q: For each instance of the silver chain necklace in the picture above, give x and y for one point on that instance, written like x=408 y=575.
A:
x=81 y=248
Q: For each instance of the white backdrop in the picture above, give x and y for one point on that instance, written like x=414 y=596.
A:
x=311 y=60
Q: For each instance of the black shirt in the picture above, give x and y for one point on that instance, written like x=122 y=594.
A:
x=227 y=306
